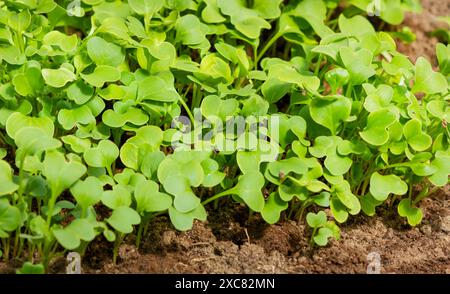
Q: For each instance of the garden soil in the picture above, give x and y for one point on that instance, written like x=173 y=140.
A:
x=234 y=242
x=423 y=25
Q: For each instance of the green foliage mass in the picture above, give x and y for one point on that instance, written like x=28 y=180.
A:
x=89 y=93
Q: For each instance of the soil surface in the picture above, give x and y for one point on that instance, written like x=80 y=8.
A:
x=423 y=25
x=233 y=242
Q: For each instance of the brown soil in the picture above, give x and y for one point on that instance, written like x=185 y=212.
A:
x=233 y=243
x=423 y=25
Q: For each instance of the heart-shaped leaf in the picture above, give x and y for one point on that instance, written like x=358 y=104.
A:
x=249 y=188
x=88 y=192
x=358 y=63
x=69 y=118
x=442 y=164
x=117 y=197
x=316 y=220
x=146 y=7
x=413 y=214
x=71 y=236
x=10 y=218
x=416 y=138
x=7 y=186
x=103 y=52
x=103 y=155
x=184 y=221
x=123 y=218
x=330 y=113
x=378 y=122
x=273 y=208
x=61 y=173
x=149 y=199
x=427 y=80
x=381 y=186
x=322 y=236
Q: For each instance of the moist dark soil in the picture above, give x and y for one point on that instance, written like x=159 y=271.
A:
x=234 y=242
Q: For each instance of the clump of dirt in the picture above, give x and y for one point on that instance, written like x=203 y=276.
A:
x=423 y=25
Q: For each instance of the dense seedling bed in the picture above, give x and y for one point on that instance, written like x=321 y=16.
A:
x=113 y=113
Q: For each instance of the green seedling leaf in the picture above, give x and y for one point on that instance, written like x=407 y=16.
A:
x=377 y=98
x=104 y=53
x=413 y=214
x=316 y=220
x=322 y=236
x=79 y=92
x=88 y=192
x=149 y=199
x=69 y=118
x=211 y=13
x=249 y=21
x=67 y=44
x=369 y=204
x=179 y=186
x=123 y=218
x=61 y=173
x=156 y=89
x=102 y=74
x=17 y=121
x=213 y=107
x=273 y=208
x=71 y=236
x=381 y=186
x=10 y=218
x=58 y=78
x=334 y=162
x=355 y=26
x=337 y=78
x=358 y=63
x=416 y=138
x=249 y=188
x=375 y=132
x=343 y=191
x=284 y=167
x=8 y=186
x=443 y=56
x=184 y=221
x=330 y=113
x=30 y=268
x=32 y=140
x=338 y=210
x=103 y=155
x=190 y=30
x=117 y=197
x=428 y=81
x=212 y=176
x=146 y=7
x=442 y=163
x=116 y=119
x=78 y=145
